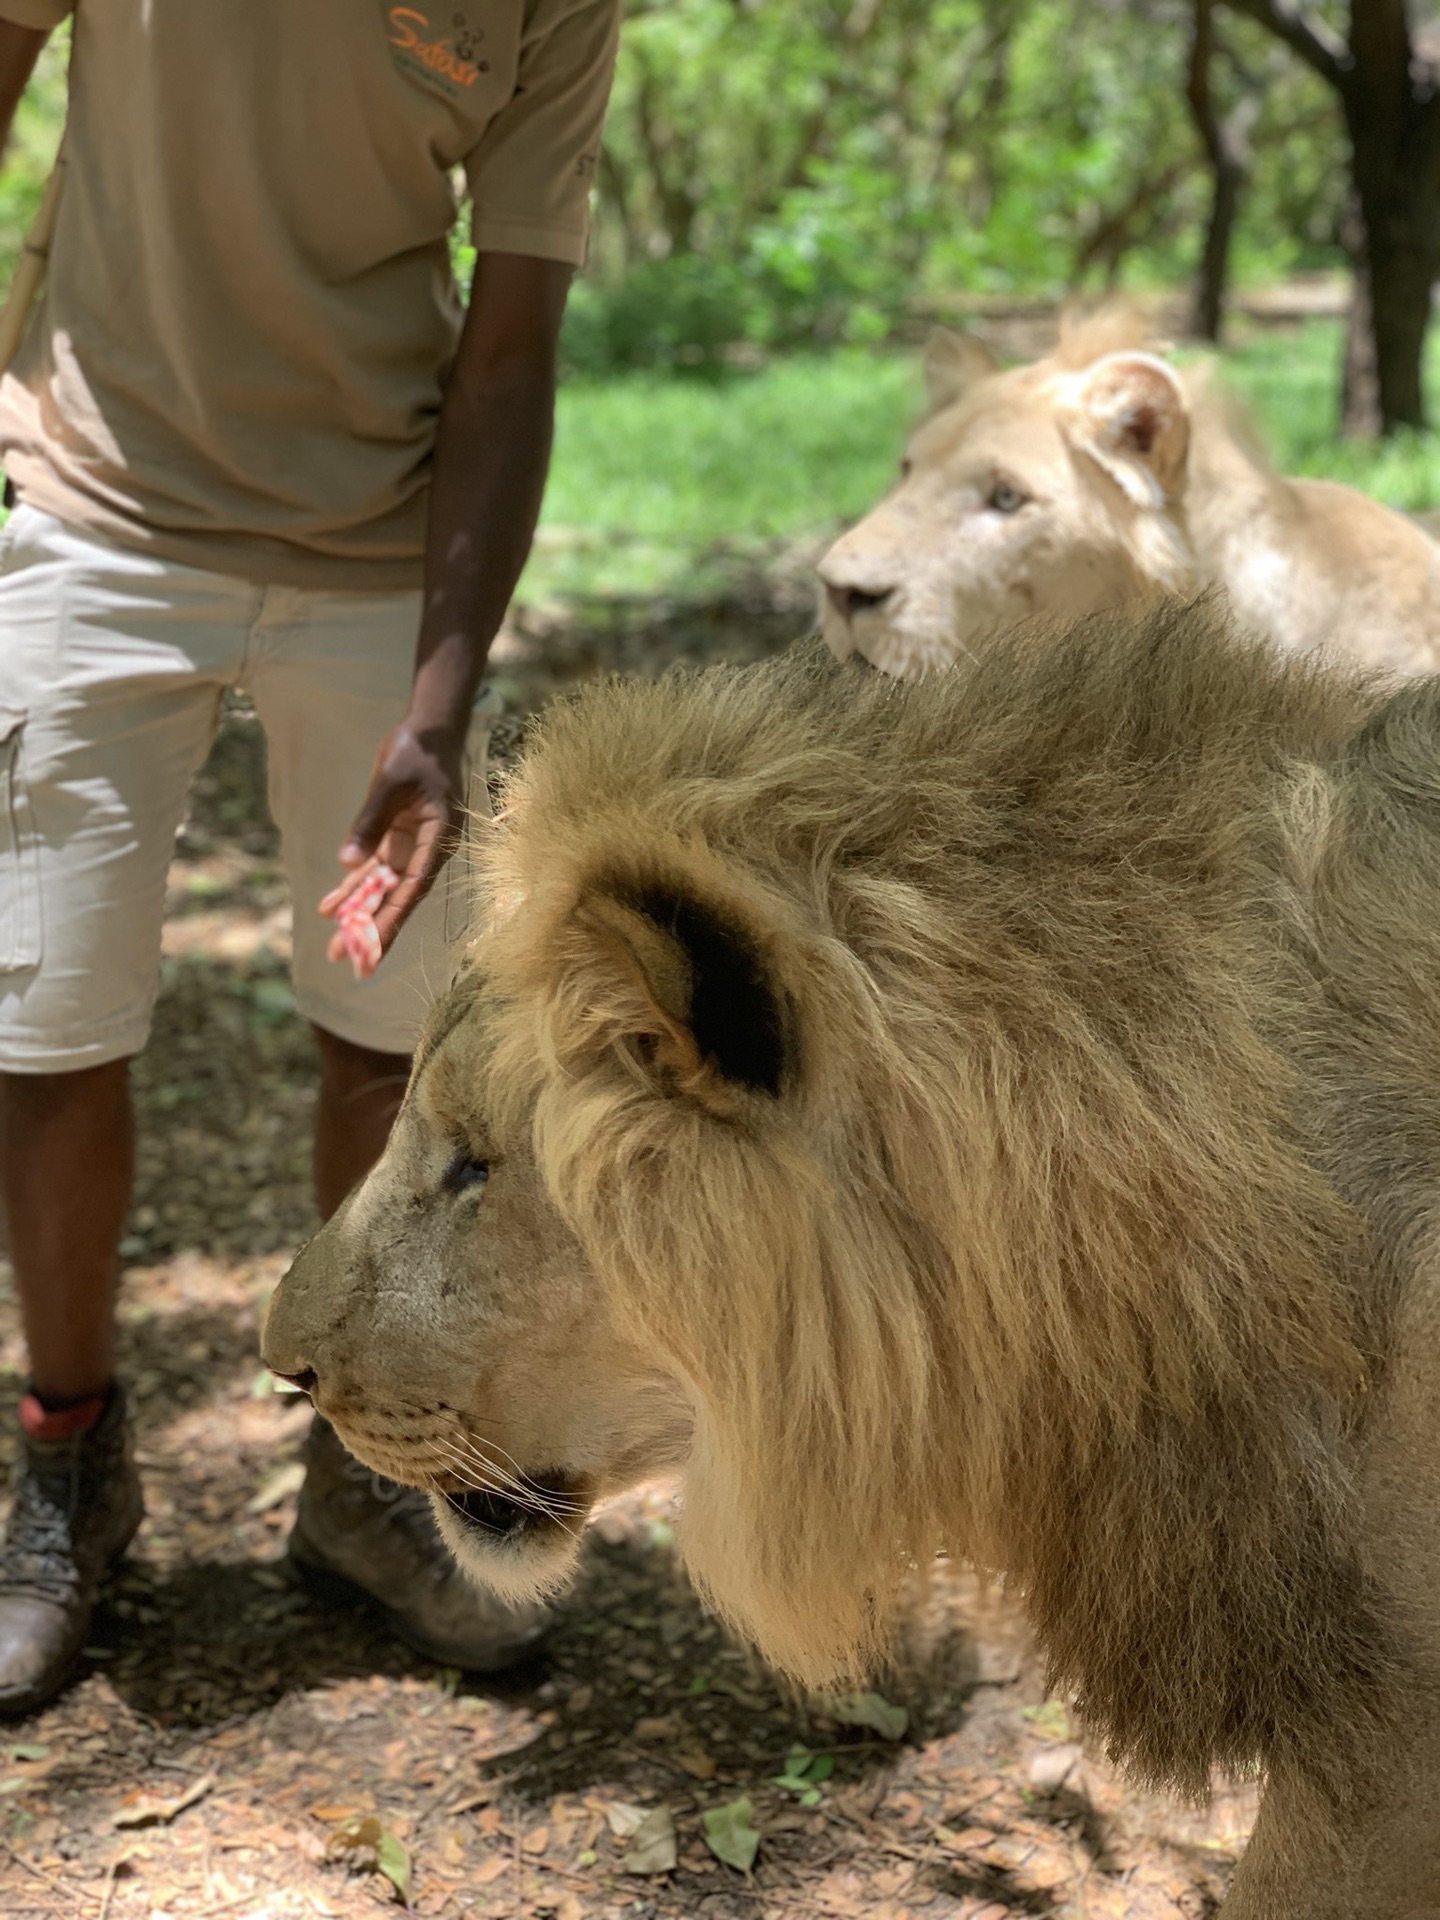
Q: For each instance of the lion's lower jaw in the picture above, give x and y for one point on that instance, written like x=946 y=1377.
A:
x=891 y=651
x=528 y=1568
x=910 y=651
x=835 y=631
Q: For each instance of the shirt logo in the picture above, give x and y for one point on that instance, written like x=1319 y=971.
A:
x=446 y=62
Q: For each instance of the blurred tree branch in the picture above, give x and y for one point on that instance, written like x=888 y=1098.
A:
x=1315 y=42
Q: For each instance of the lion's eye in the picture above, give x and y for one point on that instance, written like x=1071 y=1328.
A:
x=1004 y=498
x=465 y=1172
x=907 y=466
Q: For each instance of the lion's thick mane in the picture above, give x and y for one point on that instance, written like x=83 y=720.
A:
x=999 y=1211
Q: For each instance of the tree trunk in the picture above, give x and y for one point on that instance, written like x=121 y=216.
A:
x=1208 y=316
x=1392 y=113
x=1360 y=415
x=1397 y=184
x=1400 y=280
x=1227 y=147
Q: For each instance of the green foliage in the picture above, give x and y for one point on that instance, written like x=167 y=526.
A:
x=805 y=1773
x=807 y=171
x=682 y=314
x=33 y=140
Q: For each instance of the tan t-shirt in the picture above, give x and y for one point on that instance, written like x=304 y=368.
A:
x=249 y=315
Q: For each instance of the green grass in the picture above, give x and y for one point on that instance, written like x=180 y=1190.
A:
x=658 y=483
x=661 y=484
x=1291 y=383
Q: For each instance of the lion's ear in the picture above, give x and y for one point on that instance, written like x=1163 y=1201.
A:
x=1129 y=414
x=687 y=989
x=953 y=363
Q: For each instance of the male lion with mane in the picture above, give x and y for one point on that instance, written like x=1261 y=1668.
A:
x=1000 y=1113
x=1100 y=477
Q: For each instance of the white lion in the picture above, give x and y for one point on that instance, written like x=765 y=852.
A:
x=1098 y=477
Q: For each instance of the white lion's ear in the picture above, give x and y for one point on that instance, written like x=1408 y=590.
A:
x=1129 y=414
x=953 y=363
x=685 y=989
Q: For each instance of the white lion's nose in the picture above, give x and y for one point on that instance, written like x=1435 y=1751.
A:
x=848 y=601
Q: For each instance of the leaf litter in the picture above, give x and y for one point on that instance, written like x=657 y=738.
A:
x=289 y=1757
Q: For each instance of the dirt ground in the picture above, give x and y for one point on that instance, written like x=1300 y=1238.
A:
x=232 y=1746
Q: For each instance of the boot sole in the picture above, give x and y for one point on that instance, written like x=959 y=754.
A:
x=338 y=1589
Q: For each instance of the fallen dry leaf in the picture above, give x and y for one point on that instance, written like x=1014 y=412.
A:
x=623 y=1819
x=149 y=1810
x=870 y=1710
x=1053 y=1766
x=731 y=1834
x=277 y=1486
x=536 y=1841
x=652 y=1847
x=480 y=1796
x=653 y=1727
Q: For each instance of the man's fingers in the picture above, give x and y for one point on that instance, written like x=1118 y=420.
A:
x=423 y=870
x=337 y=896
x=412 y=847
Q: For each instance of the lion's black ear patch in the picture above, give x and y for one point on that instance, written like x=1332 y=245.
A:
x=735 y=1017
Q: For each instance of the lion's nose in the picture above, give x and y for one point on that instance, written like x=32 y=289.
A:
x=306 y=1379
x=848 y=601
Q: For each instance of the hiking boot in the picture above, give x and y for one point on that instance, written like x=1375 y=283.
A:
x=77 y=1505
x=360 y=1536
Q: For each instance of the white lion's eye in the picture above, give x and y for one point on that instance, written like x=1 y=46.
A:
x=1004 y=498
x=465 y=1172
x=906 y=468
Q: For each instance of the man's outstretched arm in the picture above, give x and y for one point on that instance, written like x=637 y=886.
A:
x=492 y=453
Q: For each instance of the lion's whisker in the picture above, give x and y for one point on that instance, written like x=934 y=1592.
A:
x=496 y=1480
x=516 y=1474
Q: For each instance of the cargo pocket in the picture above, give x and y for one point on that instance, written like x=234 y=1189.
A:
x=19 y=853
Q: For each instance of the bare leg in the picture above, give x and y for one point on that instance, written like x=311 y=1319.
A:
x=360 y=1094
x=66 y=1159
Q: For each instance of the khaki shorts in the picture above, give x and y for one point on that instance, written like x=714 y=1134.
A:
x=112 y=667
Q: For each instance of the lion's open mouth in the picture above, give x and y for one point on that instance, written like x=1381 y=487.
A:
x=549 y=1501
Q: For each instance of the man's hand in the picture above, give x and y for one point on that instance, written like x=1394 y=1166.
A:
x=410 y=822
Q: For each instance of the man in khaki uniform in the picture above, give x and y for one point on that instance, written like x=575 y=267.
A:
x=254 y=441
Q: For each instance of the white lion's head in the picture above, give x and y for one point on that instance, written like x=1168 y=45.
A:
x=1054 y=489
